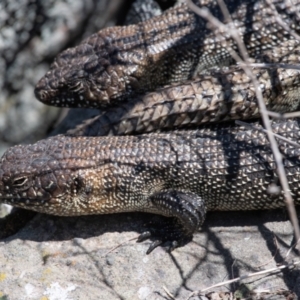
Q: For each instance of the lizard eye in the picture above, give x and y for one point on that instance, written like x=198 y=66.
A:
x=19 y=182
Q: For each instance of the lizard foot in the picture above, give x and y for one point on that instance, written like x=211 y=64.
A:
x=186 y=211
x=167 y=232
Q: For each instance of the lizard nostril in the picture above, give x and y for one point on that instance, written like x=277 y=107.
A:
x=40 y=93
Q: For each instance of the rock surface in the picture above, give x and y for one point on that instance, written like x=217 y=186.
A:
x=32 y=33
x=97 y=257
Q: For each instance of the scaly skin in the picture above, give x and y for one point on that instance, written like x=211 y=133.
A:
x=181 y=174
x=119 y=62
x=219 y=95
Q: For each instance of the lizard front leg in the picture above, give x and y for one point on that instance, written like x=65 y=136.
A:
x=187 y=211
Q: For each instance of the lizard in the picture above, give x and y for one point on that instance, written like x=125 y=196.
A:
x=218 y=95
x=178 y=174
x=121 y=62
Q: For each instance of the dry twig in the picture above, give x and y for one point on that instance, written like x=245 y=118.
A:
x=268 y=271
x=168 y=292
x=119 y=245
x=245 y=64
x=244 y=61
x=251 y=126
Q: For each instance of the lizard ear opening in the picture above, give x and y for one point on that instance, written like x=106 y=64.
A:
x=81 y=190
x=81 y=186
x=77 y=185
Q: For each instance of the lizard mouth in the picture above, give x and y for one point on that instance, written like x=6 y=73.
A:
x=43 y=91
x=60 y=96
x=23 y=202
x=42 y=95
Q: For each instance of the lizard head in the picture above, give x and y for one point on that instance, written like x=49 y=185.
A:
x=91 y=74
x=54 y=177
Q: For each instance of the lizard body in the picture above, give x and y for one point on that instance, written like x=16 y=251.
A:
x=179 y=174
x=118 y=63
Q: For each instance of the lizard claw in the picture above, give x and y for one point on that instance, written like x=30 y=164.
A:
x=186 y=213
x=174 y=245
x=153 y=246
x=167 y=231
x=144 y=236
x=147 y=234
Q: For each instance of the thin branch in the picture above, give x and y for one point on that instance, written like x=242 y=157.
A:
x=292 y=115
x=273 y=257
x=283 y=116
x=119 y=245
x=205 y=13
x=251 y=126
x=272 y=66
x=290 y=250
x=280 y=21
x=168 y=292
x=275 y=269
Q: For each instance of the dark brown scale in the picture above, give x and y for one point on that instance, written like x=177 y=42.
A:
x=213 y=97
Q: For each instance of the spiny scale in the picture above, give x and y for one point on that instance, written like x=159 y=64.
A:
x=218 y=95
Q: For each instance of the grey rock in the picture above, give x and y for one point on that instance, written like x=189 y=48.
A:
x=32 y=33
x=97 y=257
